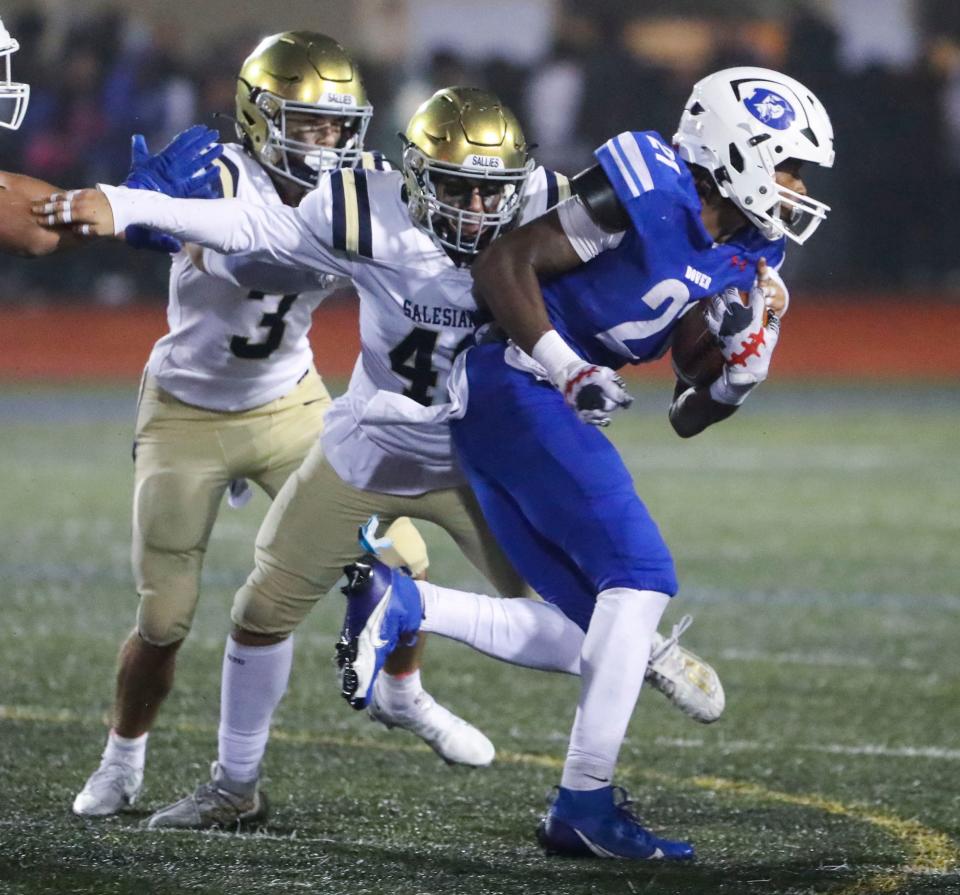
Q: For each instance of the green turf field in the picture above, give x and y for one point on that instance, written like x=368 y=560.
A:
x=817 y=541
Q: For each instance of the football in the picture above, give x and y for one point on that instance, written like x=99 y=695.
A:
x=696 y=356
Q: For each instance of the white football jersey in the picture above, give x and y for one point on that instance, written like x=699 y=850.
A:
x=231 y=348
x=417 y=311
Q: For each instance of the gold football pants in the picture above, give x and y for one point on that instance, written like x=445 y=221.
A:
x=310 y=533
x=184 y=459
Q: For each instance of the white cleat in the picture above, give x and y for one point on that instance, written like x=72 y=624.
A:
x=453 y=739
x=110 y=788
x=684 y=678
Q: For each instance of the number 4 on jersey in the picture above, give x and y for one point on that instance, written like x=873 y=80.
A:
x=413 y=359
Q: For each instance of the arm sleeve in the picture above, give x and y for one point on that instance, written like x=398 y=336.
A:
x=586 y=236
x=598 y=195
x=271 y=278
x=272 y=235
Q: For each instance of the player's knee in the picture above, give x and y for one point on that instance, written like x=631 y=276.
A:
x=263 y=610
x=169 y=587
x=163 y=621
x=409 y=548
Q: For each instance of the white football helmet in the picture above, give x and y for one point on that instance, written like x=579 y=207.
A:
x=14 y=96
x=739 y=124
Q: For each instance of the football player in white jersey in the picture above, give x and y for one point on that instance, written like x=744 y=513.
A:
x=407 y=241
x=230 y=393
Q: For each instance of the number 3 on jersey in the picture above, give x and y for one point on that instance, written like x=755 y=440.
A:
x=413 y=360
x=241 y=346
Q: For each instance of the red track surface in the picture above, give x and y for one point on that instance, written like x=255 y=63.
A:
x=880 y=339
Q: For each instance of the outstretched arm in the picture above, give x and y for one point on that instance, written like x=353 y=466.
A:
x=278 y=235
x=182 y=168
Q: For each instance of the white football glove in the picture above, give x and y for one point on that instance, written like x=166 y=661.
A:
x=746 y=342
x=593 y=392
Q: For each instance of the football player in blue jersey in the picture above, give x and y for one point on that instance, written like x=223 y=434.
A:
x=602 y=281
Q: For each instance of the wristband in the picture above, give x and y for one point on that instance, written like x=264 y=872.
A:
x=554 y=355
x=723 y=392
x=122 y=204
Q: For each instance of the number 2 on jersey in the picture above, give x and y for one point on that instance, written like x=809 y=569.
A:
x=241 y=346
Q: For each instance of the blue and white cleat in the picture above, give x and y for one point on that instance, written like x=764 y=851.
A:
x=383 y=610
x=599 y=823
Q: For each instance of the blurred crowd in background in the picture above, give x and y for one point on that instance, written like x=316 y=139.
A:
x=895 y=106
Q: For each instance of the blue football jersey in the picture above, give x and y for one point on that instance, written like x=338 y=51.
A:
x=621 y=306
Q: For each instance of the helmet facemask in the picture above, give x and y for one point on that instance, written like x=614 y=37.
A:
x=304 y=162
x=775 y=210
x=455 y=227
x=793 y=215
x=14 y=96
x=462 y=140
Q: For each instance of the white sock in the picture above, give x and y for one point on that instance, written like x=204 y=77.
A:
x=613 y=663
x=253 y=683
x=396 y=693
x=130 y=751
x=519 y=630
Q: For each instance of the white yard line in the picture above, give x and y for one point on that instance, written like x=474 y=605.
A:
x=936 y=753
x=50 y=716
x=820 y=660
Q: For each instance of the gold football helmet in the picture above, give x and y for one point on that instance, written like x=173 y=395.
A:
x=306 y=75
x=462 y=142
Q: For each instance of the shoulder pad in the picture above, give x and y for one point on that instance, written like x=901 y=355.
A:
x=374 y=161
x=544 y=190
x=558 y=187
x=638 y=162
x=229 y=184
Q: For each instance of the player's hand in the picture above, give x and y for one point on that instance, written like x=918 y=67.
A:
x=776 y=296
x=593 y=392
x=747 y=334
x=183 y=169
x=85 y=212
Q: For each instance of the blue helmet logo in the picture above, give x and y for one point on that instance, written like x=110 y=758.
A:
x=770 y=108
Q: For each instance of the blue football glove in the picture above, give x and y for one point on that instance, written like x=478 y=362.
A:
x=184 y=169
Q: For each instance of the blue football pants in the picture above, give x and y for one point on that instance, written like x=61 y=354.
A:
x=555 y=491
